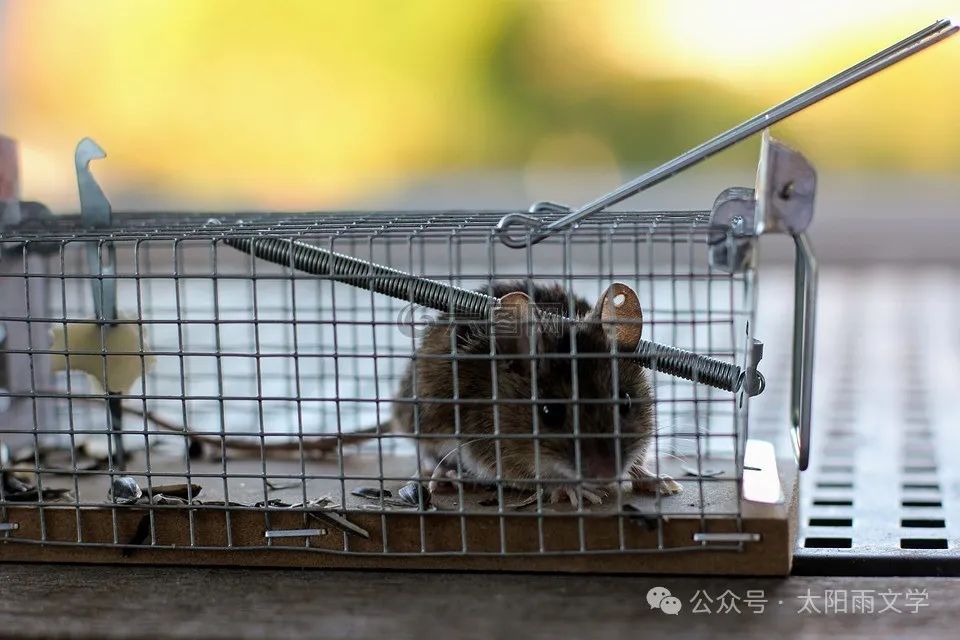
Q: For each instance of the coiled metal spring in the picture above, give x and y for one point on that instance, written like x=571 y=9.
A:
x=441 y=296
x=689 y=365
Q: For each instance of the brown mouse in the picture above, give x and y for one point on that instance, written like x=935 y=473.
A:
x=440 y=393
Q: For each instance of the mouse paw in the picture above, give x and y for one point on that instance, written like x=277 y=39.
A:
x=563 y=493
x=443 y=481
x=664 y=485
x=644 y=481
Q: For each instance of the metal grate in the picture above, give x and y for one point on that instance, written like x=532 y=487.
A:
x=882 y=495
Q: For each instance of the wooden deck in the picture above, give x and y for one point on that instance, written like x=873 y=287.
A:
x=45 y=601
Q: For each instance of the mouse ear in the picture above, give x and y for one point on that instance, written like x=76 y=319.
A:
x=619 y=311
x=512 y=319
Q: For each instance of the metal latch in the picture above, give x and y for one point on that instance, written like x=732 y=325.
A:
x=753 y=381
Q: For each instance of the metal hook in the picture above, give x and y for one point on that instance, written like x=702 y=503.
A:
x=915 y=43
x=530 y=223
x=95 y=211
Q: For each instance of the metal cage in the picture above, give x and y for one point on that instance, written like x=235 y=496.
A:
x=202 y=385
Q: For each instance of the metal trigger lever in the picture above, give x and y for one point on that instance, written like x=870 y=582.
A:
x=538 y=229
x=95 y=211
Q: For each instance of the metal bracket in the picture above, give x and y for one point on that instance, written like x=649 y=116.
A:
x=786 y=184
x=732 y=230
x=781 y=203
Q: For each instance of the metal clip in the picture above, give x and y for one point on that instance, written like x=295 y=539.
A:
x=733 y=230
x=294 y=533
x=754 y=382
x=535 y=229
x=726 y=537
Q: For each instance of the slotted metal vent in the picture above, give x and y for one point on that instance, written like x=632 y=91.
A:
x=881 y=494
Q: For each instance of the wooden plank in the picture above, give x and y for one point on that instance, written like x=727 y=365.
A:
x=488 y=540
x=144 y=602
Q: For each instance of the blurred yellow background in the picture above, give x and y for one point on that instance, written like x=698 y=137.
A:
x=296 y=104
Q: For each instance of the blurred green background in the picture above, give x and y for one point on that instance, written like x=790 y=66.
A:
x=295 y=104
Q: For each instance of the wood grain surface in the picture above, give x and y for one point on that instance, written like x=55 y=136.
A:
x=142 y=602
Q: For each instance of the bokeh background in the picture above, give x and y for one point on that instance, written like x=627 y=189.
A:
x=210 y=104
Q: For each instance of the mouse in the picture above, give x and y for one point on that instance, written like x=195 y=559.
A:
x=477 y=418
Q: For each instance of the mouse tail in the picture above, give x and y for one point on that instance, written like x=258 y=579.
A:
x=327 y=443
x=320 y=444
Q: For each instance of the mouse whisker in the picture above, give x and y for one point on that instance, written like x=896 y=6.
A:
x=677 y=440
x=663 y=454
x=684 y=429
x=453 y=451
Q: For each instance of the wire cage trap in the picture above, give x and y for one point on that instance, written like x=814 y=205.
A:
x=226 y=391
x=391 y=389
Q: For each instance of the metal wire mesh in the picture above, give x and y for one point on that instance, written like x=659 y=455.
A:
x=240 y=382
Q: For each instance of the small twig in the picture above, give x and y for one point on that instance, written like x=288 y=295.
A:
x=280 y=487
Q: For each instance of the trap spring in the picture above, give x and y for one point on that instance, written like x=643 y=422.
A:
x=443 y=297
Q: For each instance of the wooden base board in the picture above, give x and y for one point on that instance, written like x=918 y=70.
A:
x=562 y=540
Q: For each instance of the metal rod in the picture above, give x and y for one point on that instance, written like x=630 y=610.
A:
x=535 y=231
x=115 y=426
x=446 y=298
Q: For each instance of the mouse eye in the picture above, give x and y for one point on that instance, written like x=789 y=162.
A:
x=626 y=404
x=553 y=415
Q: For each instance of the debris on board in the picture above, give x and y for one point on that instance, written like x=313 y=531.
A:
x=372 y=493
x=124 y=490
x=702 y=473
x=415 y=494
